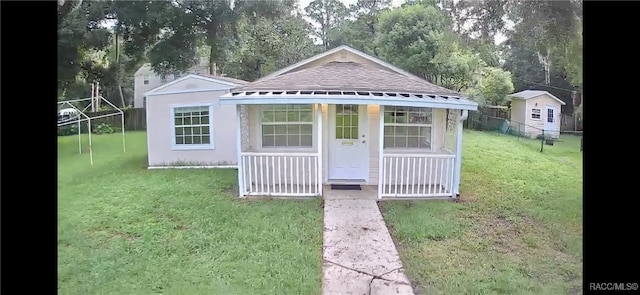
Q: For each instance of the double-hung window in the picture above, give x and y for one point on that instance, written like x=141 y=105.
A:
x=287 y=126
x=192 y=127
x=535 y=114
x=407 y=127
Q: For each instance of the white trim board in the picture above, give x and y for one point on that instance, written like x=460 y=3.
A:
x=196 y=90
x=191 y=76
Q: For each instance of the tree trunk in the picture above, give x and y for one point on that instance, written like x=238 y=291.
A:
x=212 y=39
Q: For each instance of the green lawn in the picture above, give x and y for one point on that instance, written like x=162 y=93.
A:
x=123 y=229
x=516 y=230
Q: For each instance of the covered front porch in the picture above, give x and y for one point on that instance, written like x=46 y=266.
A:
x=401 y=149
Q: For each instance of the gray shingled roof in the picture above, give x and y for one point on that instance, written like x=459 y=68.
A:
x=225 y=78
x=347 y=76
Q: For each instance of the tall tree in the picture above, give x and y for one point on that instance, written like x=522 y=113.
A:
x=264 y=45
x=329 y=15
x=79 y=35
x=409 y=37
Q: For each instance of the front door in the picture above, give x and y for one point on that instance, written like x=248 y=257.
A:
x=348 y=143
x=551 y=118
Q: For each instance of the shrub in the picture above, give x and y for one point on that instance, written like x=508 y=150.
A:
x=104 y=128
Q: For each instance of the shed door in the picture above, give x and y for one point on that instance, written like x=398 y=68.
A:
x=551 y=116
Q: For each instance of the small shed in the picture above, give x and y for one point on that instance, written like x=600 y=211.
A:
x=533 y=111
x=187 y=126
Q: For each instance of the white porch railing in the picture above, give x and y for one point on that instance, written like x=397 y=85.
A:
x=417 y=175
x=280 y=174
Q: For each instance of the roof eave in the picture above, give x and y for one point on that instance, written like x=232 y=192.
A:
x=437 y=102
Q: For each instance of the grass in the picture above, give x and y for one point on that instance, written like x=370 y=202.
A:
x=516 y=230
x=123 y=229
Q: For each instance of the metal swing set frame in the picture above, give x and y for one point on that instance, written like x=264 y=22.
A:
x=84 y=115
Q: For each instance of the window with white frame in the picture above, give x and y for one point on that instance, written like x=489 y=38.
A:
x=535 y=114
x=145 y=79
x=288 y=125
x=407 y=127
x=192 y=126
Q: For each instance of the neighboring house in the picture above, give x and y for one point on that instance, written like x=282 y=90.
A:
x=533 y=111
x=346 y=118
x=146 y=79
x=186 y=125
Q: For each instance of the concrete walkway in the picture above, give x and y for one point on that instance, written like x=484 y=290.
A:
x=359 y=255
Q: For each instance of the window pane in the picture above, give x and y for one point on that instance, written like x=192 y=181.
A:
x=388 y=118
x=306 y=116
x=306 y=129
x=280 y=129
x=268 y=129
x=346 y=132
x=179 y=131
x=197 y=140
x=293 y=129
x=187 y=131
x=188 y=140
x=425 y=144
x=293 y=116
x=280 y=140
x=178 y=121
x=268 y=116
x=195 y=131
x=414 y=131
x=354 y=132
x=388 y=141
x=412 y=142
x=426 y=132
x=401 y=130
x=306 y=140
x=268 y=141
x=206 y=139
x=187 y=121
x=401 y=142
x=280 y=116
x=179 y=140
x=339 y=120
x=205 y=130
x=388 y=130
x=354 y=119
x=339 y=133
x=293 y=140
x=196 y=120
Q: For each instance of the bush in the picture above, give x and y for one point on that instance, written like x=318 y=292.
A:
x=71 y=129
x=104 y=128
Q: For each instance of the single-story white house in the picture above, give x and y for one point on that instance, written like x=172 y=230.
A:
x=187 y=126
x=340 y=117
x=533 y=111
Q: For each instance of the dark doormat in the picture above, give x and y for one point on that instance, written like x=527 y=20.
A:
x=347 y=187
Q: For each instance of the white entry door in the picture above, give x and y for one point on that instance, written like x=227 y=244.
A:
x=551 y=119
x=348 y=143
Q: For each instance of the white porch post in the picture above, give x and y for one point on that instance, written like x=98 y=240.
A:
x=381 y=170
x=458 y=163
x=320 y=143
x=239 y=151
